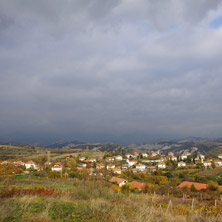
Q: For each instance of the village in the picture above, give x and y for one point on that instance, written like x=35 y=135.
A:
x=116 y=167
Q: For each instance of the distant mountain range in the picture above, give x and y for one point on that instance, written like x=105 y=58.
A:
x=188 y=144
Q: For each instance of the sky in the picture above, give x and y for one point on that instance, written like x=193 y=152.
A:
x=120 y=71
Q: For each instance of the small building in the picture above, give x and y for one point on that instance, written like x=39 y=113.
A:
x=131 y=162
x=119 y=158
x=18 y=163
x=119 y=181
x=220 y=156
x=110 y=159
x=135 y=155
x=218 y=163
x=198 y=186
x=100 y=157
x=82 y=158
x=141 y=167
x=161 y=166
x=83 y=165
x=207 y=164
x=92 y=160
x=57 y=168
x=110 y=166
x=153 y=154
x=129 y=155
x=181 y=164
x=117 y=171
x=31 y=164
x=173 y=158
x=125 y=166
x=100 y=166
x=183 y=157
x=68 y=156
x=144 y=155
x=170 y=154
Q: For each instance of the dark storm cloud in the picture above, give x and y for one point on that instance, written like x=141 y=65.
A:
x=98 y=70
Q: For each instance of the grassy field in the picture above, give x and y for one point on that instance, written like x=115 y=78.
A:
x=29 y=198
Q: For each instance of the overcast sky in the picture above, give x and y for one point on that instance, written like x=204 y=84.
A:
x=121 y=71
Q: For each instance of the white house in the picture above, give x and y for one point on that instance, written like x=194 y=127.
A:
x=220 y=156
x=125 y=166
x=181 y=164
x=100 y=166
x=170 y=154
x=120 y=181
x=131 y=162
x=57 y=168
x=207 y=164
x=161 y=165
x=110 y=166
x=144 y=155
x=31 y=164
x=110 y=159
x=218 y=162
x=153 y=154
x=118 y=158
x=183 y=157
x=173 y=158
x=129 y=155
x=83 y=164
x=141 y=167
x=117 y=171
x=19 y=163
x=82 y=158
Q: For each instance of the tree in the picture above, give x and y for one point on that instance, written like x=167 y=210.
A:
x=193 y=188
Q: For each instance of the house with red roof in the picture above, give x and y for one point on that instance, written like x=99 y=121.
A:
x=31 y=164
x=117 y=171
x=198 y=186
x=119 y=181
x=57 y=168
x=137 y=185
x=181 y=164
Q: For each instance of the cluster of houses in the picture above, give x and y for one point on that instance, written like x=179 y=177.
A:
x=28 y=165
x=136 y=162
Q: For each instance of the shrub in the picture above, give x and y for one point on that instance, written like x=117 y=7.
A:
x=73 y=212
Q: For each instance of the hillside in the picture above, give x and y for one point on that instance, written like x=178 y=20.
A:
x=21 y=151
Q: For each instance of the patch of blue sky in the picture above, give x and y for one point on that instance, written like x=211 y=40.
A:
x=216 y=23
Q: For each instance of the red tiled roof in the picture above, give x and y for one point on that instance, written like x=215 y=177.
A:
x=198 y=186
x=137 y=185
x=30 y=162
x=116 y=180
x=116 y=169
